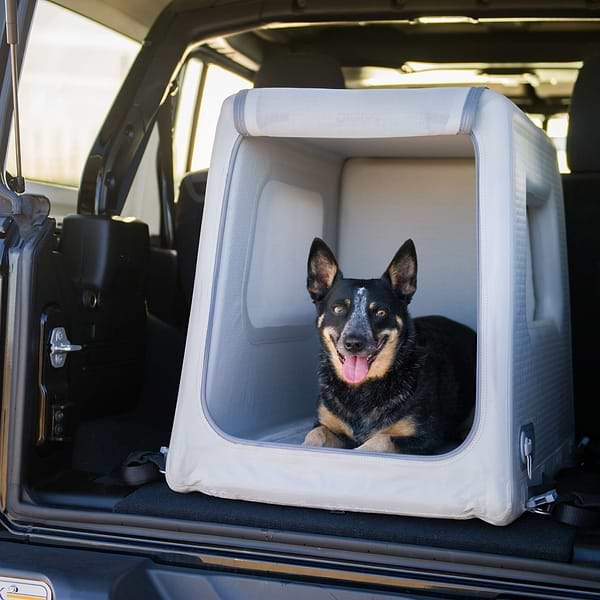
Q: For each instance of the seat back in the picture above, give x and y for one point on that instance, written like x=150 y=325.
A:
x=286 y=70
x=300 y=71
x=188 y=221
x=582 y=210
x=106 y=262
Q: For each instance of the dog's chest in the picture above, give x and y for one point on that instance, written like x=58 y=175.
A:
x=360 y=413
x=359 y=423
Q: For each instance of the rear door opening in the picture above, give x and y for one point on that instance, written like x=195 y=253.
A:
x=118 y=278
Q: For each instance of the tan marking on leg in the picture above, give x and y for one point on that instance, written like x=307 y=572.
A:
x=323 y=437
x=320 y=320
x=333 y=423
x=380 y=442
x=405 y=427
x=333 y=353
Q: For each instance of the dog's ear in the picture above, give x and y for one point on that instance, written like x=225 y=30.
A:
x=402 y=271
x=322 y=270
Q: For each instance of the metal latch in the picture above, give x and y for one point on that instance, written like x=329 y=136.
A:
x=60 y=346
x=542 y=503
x=527 y=448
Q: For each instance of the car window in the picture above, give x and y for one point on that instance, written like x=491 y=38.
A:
x=143 y=198
x=72 y=70
x=557 y=127
x=198 y=112
x=220 y=83
x=187 y=108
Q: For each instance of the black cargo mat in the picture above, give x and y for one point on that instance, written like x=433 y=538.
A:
x=531 y=536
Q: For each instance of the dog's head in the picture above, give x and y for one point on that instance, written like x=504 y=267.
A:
x=361 y=321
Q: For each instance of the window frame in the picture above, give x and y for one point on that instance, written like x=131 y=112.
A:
x=166 y=186
x=25 y=14
x=208 y=58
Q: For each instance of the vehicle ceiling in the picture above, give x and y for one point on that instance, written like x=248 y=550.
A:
x=131 y=17
x=533 y=61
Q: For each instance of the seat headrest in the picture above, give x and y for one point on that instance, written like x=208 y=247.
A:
x=583 y=139
x=300 y=71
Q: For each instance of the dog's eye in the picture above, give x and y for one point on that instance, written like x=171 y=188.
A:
x=338 y=309
x=381 y=313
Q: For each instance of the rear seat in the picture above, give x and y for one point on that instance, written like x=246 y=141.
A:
x=582 y=208
x=188 y=220
x=287 y=70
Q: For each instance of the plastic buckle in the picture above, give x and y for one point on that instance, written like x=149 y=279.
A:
x=542 y=503
x=163 y=468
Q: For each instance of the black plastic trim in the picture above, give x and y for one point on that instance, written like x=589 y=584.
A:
x=281 y=556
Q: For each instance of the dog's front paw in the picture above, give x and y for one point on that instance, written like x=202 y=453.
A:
x=378 y=443
x=323 y=437
x=316 y=437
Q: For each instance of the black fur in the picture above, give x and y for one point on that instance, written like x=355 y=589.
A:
x=431 y=378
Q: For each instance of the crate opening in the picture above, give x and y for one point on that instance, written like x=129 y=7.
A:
x=365 y=197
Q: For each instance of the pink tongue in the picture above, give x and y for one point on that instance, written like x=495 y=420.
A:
x=355 y=368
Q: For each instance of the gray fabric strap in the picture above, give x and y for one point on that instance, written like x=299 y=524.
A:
x=239 y=105
x=470 y=109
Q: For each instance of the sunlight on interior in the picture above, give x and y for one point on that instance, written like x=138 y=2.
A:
x=556 y=127
x=444 y=20
x=510 y=79
x=453 y=20
x=548 y=80
x=537 y=120
x=220 y=84
x=79 y=65
x=186 y=109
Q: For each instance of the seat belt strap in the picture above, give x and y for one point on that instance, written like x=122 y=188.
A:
x=577 y=516
x=567 y=503
x=575 y=509
x=138 y=469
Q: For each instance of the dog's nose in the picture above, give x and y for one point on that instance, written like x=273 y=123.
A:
x=354 y=344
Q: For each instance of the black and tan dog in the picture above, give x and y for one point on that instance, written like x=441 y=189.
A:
x=388 y=383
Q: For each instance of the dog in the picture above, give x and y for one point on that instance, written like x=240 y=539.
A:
x=387 y=382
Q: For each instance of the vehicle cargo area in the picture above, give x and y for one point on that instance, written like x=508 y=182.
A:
x=102 y=337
